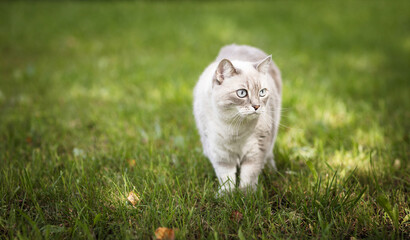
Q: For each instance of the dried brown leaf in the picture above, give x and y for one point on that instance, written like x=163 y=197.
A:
x=236 y=216
x=131 y=163
x=133 y=198
x=163 y=233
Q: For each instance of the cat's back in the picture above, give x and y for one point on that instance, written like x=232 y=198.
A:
x=241 y=53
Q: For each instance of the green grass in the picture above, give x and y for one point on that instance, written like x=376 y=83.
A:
x=87 y=87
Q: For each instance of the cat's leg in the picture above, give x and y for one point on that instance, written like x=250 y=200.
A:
x=270 y=160
x=251 y=167
x=226 y=173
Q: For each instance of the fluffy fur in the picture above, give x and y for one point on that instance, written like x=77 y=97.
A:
x=238 y=131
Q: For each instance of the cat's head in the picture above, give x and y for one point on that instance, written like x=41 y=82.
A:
x=241 y=89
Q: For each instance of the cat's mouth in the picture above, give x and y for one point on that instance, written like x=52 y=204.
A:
x=251 y=115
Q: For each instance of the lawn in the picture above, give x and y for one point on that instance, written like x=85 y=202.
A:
x=96 y=102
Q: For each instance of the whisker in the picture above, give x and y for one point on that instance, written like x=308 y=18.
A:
x=281 y=124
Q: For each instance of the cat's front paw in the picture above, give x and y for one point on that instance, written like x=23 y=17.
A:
x=248 y=189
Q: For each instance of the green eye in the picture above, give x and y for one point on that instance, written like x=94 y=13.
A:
x=262 y=92
x=242 y=93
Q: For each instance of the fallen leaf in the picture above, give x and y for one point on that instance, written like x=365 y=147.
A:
x=133 y=198
x=131 y=162
x=236 y=216
x=397 y=163
x=163 y=233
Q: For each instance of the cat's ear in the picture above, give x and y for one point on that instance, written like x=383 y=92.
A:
x=224 y=70
x=263 y=66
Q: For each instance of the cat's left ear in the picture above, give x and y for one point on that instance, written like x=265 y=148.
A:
x=263 y=66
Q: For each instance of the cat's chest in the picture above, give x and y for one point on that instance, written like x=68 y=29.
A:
x=235 y=141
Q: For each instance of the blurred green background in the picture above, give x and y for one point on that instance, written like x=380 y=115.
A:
x=88 y=87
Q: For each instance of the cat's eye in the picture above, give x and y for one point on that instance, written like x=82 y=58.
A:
x=242 y=93
x=262 y=92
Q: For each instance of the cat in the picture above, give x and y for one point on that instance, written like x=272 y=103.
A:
x=237 y=105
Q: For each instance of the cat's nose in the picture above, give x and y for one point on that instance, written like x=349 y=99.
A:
x=256 y=107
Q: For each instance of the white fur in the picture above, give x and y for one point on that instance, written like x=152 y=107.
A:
x=233 y=133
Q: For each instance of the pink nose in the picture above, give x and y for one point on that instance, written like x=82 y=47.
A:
x=256 y=107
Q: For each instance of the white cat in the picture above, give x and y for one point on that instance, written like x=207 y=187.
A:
x=237 y=105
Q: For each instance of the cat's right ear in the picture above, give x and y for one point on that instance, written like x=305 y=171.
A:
x=224 y=70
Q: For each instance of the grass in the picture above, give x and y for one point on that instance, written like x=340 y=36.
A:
x=87 y=87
